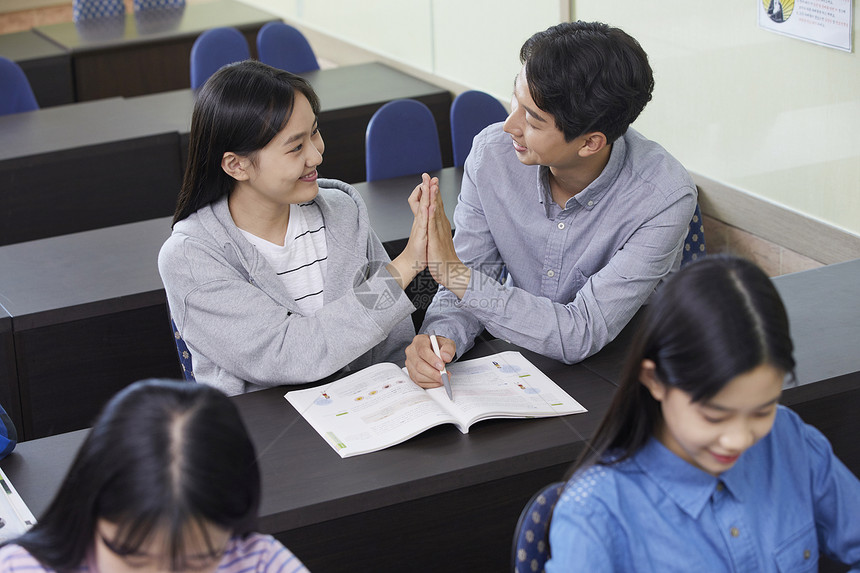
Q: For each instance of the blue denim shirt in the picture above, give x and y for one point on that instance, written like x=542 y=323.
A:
x=787 y=498
x=578 y=273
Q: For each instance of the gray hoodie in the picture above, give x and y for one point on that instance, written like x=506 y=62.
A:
x=242 y=328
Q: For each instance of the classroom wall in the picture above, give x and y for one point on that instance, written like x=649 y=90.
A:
x=764 y=114
x=472 y=43
x=771 y=115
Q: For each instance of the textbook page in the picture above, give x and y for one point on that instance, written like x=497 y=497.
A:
x=375 y=408
x=381 y=406
x=504 y=385
x=15 y=516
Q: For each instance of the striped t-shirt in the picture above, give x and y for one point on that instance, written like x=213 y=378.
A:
x=256 y=553
x=301 y=262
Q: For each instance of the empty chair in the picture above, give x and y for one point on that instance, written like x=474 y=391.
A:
x=694 y=244
x=401 y=139
x=471 y=112
x=94 y=9
x=216 y=48
x=531 y=536
x=285 y=47
x=16 y=95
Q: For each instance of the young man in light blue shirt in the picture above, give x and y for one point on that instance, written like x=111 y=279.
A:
x=567 y=219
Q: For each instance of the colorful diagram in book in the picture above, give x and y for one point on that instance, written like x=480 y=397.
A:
x=380 y=406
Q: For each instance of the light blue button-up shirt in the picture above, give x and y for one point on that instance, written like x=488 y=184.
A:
x=578 y=273
x=787 y=498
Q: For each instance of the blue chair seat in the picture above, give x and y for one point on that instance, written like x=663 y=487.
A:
x=16 y=95
x=284 y=47
x=184 y=354
x=531 y=536
x=216 y=48
x=694 y=244
x=471 y=112
x=402 y=139
x=95 y=9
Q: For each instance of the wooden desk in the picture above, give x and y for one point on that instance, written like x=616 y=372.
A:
x=349 y=96
x=88 y=316
x=824 y=312
x=137 y=57
x=47 y=66
x=444 y=489
x=388 y=209
x=375 y=512
x=65 y=293
x=83 y=166
x=8 y=373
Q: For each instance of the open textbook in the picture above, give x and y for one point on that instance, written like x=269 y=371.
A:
x=380 y=406
x=15 y=517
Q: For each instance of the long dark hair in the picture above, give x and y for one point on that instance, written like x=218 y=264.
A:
x=162 y=454
x=717 y=318
x=239 y=109
x=589 y=76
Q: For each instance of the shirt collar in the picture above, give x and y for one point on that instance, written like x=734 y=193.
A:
x=589 y=197
x=688 y=486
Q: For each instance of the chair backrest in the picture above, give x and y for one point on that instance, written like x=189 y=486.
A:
x=93 y=9
x=216 y=48
x=694 y=244
x=285 y=47
x=16 y=95
x=531 y=537
x=401 y=139
x=144 y=5
x=471 y=112
x=184 y=354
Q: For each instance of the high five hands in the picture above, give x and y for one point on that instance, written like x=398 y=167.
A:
x=430 y=246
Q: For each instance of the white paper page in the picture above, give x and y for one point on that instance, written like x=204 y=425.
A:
x=503 y=385
x=15 y=515
x=368 y=411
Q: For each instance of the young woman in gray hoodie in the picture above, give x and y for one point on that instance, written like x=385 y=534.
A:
x=273 y=275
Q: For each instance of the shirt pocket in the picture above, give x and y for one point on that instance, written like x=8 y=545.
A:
x=798 y=553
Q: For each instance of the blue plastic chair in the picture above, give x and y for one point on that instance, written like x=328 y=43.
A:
x=16 y=95
x=471 y=112
x=184 y=354
x=143 y=5
x=95 y=9
x=285 y=47
x=531 y=537
x=8 y=434
x=216 y=48
x=694 y=244
x=401 y=139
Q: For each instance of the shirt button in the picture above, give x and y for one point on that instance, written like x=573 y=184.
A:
x=561 y=225
x=590 y=203
x=550 y=273
x=735 y=532
x=806 y=554
x=720 y=486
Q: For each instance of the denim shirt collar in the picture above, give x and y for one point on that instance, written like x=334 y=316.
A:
x=688 y=486
x=589 y=197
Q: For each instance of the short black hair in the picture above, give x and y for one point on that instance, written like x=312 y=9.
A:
x=589 y=76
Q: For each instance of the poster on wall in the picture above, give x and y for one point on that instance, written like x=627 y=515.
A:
x=824 y=22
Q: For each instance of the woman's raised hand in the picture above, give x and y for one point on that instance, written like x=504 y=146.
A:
x=413 y=259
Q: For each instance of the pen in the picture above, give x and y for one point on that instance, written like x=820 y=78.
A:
x=444 y=372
